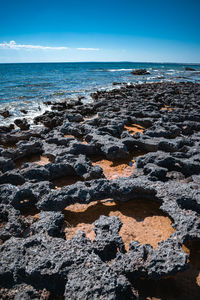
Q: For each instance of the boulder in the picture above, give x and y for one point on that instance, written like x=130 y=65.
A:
x=140 y=72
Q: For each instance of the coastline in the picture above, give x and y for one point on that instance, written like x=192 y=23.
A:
x=48 y=172
x=25 y=88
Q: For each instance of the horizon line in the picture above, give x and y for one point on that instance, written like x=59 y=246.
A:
x=119 y=61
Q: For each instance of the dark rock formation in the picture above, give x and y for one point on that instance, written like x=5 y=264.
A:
x=140 y=72
x=5 y=113
x=22 y=123
x=190 y=69
x=154 y=126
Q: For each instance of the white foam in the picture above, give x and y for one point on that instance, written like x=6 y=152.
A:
x=118 y=70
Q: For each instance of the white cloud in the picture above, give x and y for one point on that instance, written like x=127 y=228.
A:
x=88 y=49
x=14 y=45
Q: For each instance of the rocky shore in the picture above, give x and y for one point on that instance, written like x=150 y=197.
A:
x=102 y=200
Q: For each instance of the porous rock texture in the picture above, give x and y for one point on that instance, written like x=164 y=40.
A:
x=37 y=262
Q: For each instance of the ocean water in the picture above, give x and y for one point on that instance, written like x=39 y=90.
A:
x=28 y=85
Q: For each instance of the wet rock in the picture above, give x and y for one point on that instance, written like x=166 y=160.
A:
x=24 y=111
x=50 y=119
x=22 y=124
x=140 y=72
x=189 y=69
x=18 y=135
x=5 y=113
x=8 y=128
x=75 y=118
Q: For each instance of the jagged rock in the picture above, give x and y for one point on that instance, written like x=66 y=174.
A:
x=47 y=259
x=22 y=124
x=140 y=72
x=97 y=281
x=12 y=177
x=168 y=259
x=4 y=129
x=189 y=69
x=5 y=113
x=50 y=222
x=12 y=224
x=36 y=260
x=7 y=192
x=107 y=241
x=6 y=164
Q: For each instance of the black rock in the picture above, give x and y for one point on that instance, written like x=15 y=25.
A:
x=189 y=69
x=140 y=72
x=37 y=262
x=22 y=124
x=5 y=113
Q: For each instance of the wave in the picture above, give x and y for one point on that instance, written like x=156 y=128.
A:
x=118 y=70
x=156 y=77
x=170 y=73
x=59 y=93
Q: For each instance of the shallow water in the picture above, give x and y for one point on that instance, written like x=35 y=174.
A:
x=27 y=86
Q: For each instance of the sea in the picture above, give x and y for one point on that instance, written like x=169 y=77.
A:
x=27 y=86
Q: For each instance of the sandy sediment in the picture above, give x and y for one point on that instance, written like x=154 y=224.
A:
x=142 y=220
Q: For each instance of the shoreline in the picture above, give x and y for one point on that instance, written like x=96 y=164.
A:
x=55 y=180
x=46 y=106
x=25 y=89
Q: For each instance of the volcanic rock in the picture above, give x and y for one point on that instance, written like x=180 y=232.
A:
x=152 y=128
x=140 y=72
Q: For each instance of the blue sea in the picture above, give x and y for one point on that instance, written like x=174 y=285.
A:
x=28 y=85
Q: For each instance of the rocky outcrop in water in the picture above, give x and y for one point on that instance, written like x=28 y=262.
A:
x=140 y=72
x=190 y=69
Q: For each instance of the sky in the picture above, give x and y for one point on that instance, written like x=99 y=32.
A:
x=100 y=30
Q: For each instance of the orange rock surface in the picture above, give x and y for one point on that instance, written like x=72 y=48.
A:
x=133 y=128
x=114 y=170
x=167 y=107
x=142 y=220
x=69 y=136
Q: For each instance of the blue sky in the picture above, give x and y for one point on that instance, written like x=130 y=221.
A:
x=100 y=30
